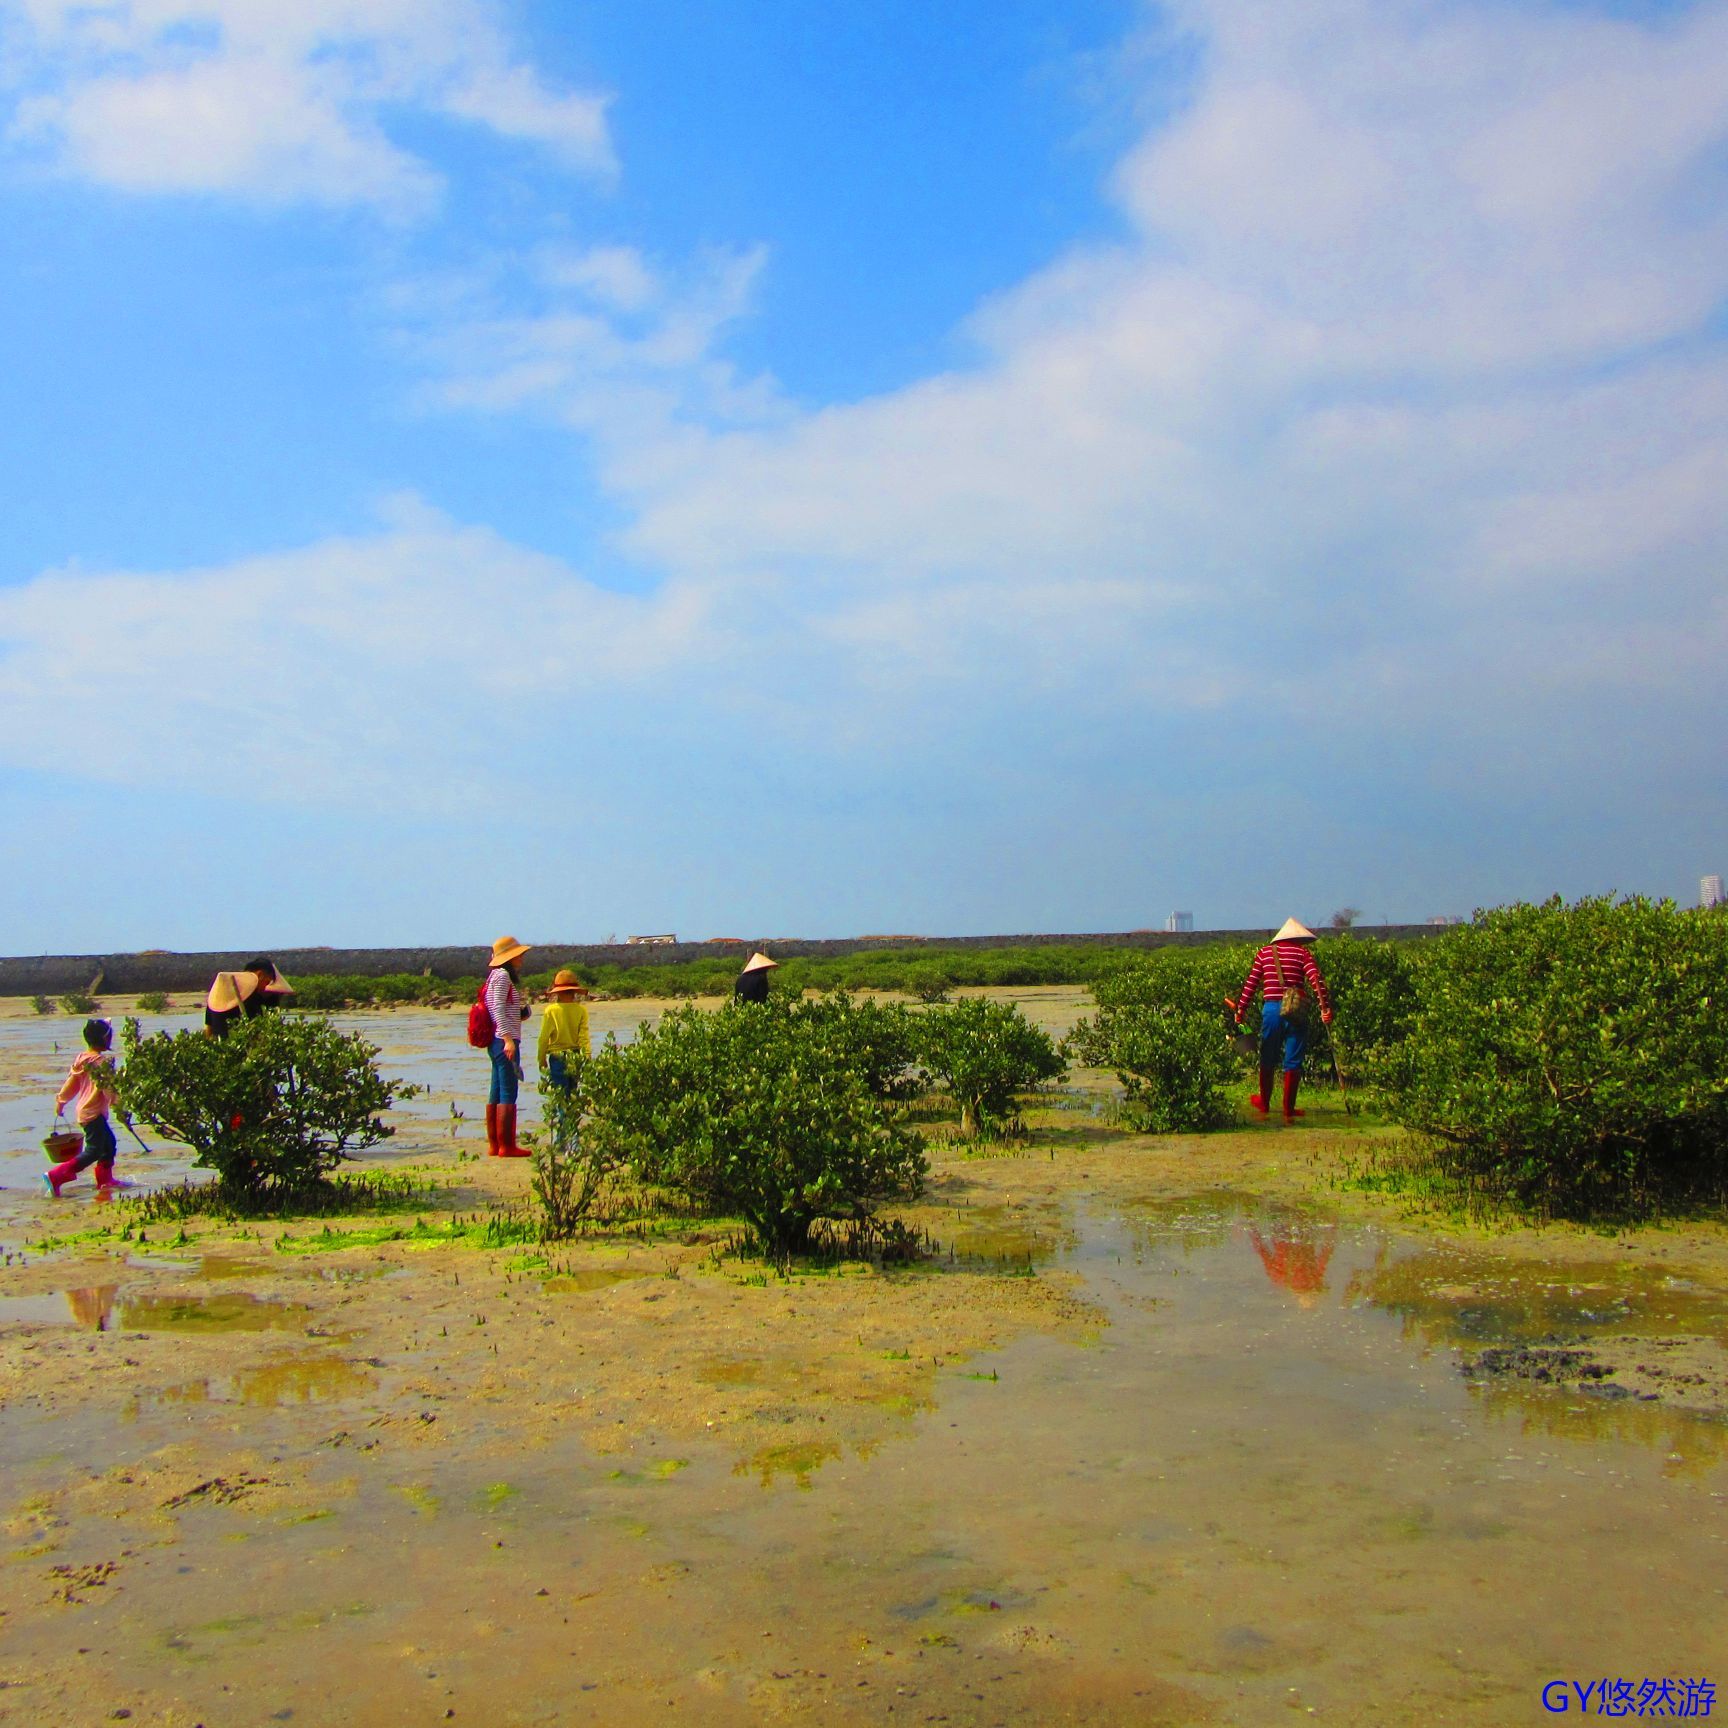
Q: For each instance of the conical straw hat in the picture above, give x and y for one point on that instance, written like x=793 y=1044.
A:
x=1294 y=930
x=229 y=990
x=233 y=988
x=759 y=962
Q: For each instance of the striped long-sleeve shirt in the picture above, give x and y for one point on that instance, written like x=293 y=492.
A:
x=504 y=1001
x=1298 y=968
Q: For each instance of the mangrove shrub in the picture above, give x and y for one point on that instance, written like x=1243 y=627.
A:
x=272 y=1108
x=1165 y=1045
x=1574 y=1058
x=570 y=1166
x=754 y=1110
x=986 y=1053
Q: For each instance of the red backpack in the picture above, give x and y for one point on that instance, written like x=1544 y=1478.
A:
x=481 y=1031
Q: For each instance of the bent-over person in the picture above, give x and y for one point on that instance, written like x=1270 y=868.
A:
x=752 y=983
x=235 y=996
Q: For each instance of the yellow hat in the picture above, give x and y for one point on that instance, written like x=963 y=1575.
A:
x=506 y=949
x=759 y=962
x=568 y=984
x=1294 y=930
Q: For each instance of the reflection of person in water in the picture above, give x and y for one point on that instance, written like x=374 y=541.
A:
x=1296 y=1256
x=92 y=1307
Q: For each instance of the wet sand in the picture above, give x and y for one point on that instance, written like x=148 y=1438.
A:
x=1169 y=1430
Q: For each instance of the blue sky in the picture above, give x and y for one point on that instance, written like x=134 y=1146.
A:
x=748 y=468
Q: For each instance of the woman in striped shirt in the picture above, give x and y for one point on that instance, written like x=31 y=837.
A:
x=1288 y=981
x=504 y=1003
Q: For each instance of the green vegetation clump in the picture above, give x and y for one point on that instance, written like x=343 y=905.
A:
x=1170 y=1054
x=78 y=1002
x=1374 y=988
x=755 y=1111
x=42 y=1004
x=1574 y=1059
x=986 y=1053
x=389 y=990
x=272 y=1108
x=155 y=1002
x=882 y=1041
x=570 y=1166
x=344 y=1193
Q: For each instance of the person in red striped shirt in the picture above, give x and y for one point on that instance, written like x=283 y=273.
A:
x=1289 y=984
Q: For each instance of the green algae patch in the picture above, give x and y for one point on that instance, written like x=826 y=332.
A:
x=798 y=1460
x=231 y=1311
x=420 y=1498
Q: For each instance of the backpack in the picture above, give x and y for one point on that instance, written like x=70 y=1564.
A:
x=481 y=1031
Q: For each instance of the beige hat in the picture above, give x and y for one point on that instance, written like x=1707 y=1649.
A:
x=506 y=949
x=233 y=988
x=759 y=962
x=1294 y=930
x=229 y=990
x=568 y=984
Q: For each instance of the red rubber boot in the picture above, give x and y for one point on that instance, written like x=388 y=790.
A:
x=1292 y=1079
x=107 y=1182
x=507 y=1147
x=1262 y=1100
x=58 y=1175
x=491 y=1130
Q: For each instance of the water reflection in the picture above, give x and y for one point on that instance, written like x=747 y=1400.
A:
x=92 y=1306
x=1296 y=1254
x=1658 y=1335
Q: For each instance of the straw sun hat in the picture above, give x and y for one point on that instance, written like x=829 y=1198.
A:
x=568 y=984
x=231 y=989
x=759 y=962
x=1294 y=930
x=506 y=949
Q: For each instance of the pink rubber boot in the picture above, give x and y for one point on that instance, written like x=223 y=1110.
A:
x=59 y=1175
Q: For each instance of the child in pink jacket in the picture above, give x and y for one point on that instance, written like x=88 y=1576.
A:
x=90 y=1088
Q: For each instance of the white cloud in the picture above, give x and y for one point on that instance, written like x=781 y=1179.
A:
x=275 y=101
x=596 y=339
x=1398 y=348
x=1405 y=356
x=399 y=665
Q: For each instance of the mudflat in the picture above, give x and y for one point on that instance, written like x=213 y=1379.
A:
x=1173 y=1430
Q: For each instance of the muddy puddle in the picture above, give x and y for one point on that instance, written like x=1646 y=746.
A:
x=115 y=1307
x=1255 y=1485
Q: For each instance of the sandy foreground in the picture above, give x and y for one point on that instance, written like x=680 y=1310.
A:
x=1166 y=1430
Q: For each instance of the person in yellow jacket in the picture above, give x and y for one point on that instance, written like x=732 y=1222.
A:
x=563 y=1028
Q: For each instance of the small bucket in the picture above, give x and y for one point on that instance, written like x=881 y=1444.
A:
x=61 y=1144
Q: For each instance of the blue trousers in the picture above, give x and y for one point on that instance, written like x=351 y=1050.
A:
x=506 y=1073
x=1281 y=1040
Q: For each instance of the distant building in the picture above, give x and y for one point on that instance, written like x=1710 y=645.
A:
x=649 y=941
x=1179 y=924
x=1710 y=891
x=1446 y=920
